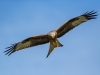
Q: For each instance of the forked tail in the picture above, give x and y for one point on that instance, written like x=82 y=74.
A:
x=53 y=44
x=58 y=43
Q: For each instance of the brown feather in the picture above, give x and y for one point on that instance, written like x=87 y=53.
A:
x=53 y=44
x=29 y=42
x=67 y=26
x=51 y=48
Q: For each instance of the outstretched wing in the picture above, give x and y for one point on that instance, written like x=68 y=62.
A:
x=67 y=26
x=29 y=42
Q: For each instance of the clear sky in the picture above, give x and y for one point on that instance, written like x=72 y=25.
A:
x=21 y=19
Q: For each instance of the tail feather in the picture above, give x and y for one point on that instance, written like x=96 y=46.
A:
x=58 y=43
x=53 y=44
x=50 y=49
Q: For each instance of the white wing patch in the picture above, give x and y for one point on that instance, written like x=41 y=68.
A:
x=79 y=21
x=21 y=45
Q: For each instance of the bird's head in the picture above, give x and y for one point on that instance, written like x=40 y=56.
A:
x=53 y=34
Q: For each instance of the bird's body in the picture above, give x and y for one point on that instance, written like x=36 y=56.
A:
x=53 y=41
x=52 y=36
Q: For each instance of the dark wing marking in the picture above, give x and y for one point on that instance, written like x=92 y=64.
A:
x=29 y=42
x=67 y=26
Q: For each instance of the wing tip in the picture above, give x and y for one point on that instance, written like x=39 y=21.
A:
x=10 y=50
x=91 y=15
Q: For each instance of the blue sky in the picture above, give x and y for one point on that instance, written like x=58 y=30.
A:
x=21 y=19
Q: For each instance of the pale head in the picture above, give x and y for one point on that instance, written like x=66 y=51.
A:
x=53 y=34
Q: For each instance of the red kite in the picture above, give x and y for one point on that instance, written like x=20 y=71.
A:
x=51 y=36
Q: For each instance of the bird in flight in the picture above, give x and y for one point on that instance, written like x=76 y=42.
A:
x=52 y=36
